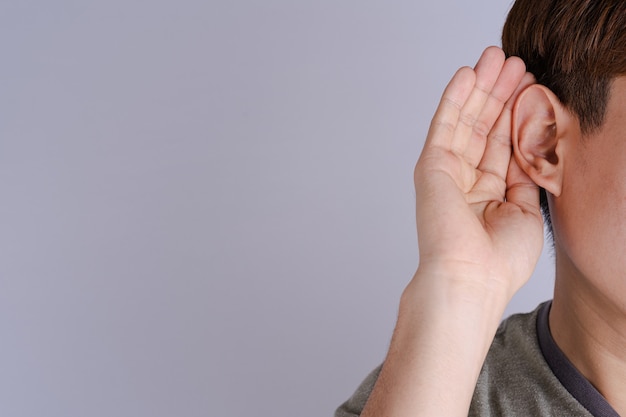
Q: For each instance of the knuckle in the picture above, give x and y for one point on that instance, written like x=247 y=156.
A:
x=445 y=125
x=500 y=139
x=449 y=102
x=498 y=99
x=481 y=128
x=467 y=119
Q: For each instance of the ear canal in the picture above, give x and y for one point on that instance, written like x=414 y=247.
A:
x=535 y=133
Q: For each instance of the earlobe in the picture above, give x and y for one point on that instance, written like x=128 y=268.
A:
x=539 y=123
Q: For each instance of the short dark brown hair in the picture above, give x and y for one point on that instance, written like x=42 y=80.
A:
x=575 y=48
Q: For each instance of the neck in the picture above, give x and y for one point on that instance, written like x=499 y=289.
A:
x=590 y=329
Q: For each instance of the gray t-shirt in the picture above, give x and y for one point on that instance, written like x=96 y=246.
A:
x=519 y=377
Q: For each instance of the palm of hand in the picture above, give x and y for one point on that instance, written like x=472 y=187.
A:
x=478 y=213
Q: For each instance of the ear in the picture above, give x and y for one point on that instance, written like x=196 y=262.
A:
x=540 y=122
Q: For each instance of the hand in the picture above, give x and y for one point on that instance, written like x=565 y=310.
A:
x=478 y=215
x=480 y=234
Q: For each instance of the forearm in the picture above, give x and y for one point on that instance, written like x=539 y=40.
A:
x=437 y=350
x=480 y=233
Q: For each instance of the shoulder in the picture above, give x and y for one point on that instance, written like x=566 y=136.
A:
x=516 y=380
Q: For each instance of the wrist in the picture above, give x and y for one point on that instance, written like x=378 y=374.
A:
x=455 y=301
x=462 y=282
x=440 y=342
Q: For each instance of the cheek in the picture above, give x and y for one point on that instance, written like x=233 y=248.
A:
x=591 y=220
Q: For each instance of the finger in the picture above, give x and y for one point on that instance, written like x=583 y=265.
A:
x=487 y=71
x=446 y=117
x=521 y=190
x=508 y=81
x=497 y=155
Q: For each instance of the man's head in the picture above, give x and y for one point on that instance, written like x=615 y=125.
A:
x=575 y=48
x=569 y=136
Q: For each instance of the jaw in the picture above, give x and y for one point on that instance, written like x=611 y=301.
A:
x=589 y=326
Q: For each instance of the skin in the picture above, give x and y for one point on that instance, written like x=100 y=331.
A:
x=480 y=234
x=588 y=317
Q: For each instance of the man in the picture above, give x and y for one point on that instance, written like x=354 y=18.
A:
x=502 y=144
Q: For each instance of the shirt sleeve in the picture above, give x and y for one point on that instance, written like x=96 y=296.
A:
x=355 y=404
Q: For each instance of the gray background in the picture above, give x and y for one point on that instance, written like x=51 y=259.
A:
x=207 y=207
